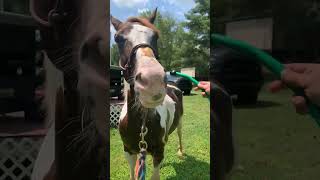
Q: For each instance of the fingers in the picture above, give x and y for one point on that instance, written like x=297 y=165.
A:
x=275 y=86
x=298 y=67
x=203 y=82
x=300 y=104
x=293 y=79
x=202 y=86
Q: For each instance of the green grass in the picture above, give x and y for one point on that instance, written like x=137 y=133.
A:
x=274 y=143
x=196 y=140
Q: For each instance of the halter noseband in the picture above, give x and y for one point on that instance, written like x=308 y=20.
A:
x=128 y=68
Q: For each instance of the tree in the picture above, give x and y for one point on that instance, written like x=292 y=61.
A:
x=197 y=46
x=114 y=55
x=169 y=29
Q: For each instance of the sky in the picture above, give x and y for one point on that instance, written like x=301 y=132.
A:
x=122 y=9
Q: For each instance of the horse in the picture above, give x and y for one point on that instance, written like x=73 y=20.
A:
x=222 y=145
x=74 y=39
x=151 y=107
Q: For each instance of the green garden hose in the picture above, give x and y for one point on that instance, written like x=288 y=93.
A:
x=272 y=64
x=194 y=81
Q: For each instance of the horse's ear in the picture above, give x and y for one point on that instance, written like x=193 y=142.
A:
x=153 y=16
x=115 y=22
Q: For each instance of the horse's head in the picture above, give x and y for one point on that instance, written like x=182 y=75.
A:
x=137 y=42
x=75 y=37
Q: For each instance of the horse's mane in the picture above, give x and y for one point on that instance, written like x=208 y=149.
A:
x=144 y=22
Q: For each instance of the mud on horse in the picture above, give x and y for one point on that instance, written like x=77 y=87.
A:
x=75 y=40
x=150 y=102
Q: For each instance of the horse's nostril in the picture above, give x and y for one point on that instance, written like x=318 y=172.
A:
x=138 y=77
x=157 y=97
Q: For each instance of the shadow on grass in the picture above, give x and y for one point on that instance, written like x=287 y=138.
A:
x=259 y=104
x=189 y=167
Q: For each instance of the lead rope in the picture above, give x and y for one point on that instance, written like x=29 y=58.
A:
x=140 y=170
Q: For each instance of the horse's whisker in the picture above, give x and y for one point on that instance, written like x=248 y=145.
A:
x=71 y=120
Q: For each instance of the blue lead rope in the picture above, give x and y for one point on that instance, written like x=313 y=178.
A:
x=140 y=172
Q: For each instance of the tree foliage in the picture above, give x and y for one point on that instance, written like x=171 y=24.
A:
x=114 y=55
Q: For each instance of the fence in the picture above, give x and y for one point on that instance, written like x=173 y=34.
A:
x=115 y=110
x=18 y=153
x=17 y=156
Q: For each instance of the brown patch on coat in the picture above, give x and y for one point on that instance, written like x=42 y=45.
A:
x=147 y=52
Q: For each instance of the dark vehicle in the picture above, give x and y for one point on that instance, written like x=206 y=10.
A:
x=239 y=74
x=18 y=47
x=116 y=82
x=183 y=84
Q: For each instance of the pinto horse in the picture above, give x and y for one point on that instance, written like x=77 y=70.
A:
x=75 y=42
x=150 y=102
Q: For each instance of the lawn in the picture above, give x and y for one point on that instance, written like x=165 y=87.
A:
x=274 y=143
x=196 y=162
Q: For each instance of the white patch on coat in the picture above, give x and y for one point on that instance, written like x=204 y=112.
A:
x=123 y=111
x=46 y=155
x=131 y=158
x=166 y=112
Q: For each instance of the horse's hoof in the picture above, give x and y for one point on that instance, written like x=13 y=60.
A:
x=180 y=154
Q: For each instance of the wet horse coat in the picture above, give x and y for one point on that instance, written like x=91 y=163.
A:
x=148 y=98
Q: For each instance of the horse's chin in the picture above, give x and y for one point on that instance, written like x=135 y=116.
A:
x=151 y=104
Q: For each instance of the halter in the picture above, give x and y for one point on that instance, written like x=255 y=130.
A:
x=128 y=68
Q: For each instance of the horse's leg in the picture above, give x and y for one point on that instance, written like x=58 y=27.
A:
x=179 y=131
x=131 y=158
x=157 y=159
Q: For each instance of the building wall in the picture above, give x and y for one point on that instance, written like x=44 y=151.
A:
x=257 y=32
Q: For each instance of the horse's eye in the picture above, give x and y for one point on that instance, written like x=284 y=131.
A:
x=119 y=38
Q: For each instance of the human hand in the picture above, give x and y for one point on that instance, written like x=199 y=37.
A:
x=205 y=85
x=300 y=75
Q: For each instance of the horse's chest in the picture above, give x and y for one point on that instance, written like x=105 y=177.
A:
x=158 y=124
x=130 y=134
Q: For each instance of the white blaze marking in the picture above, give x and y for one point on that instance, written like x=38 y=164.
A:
x=166 y=111
x=140 y=34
